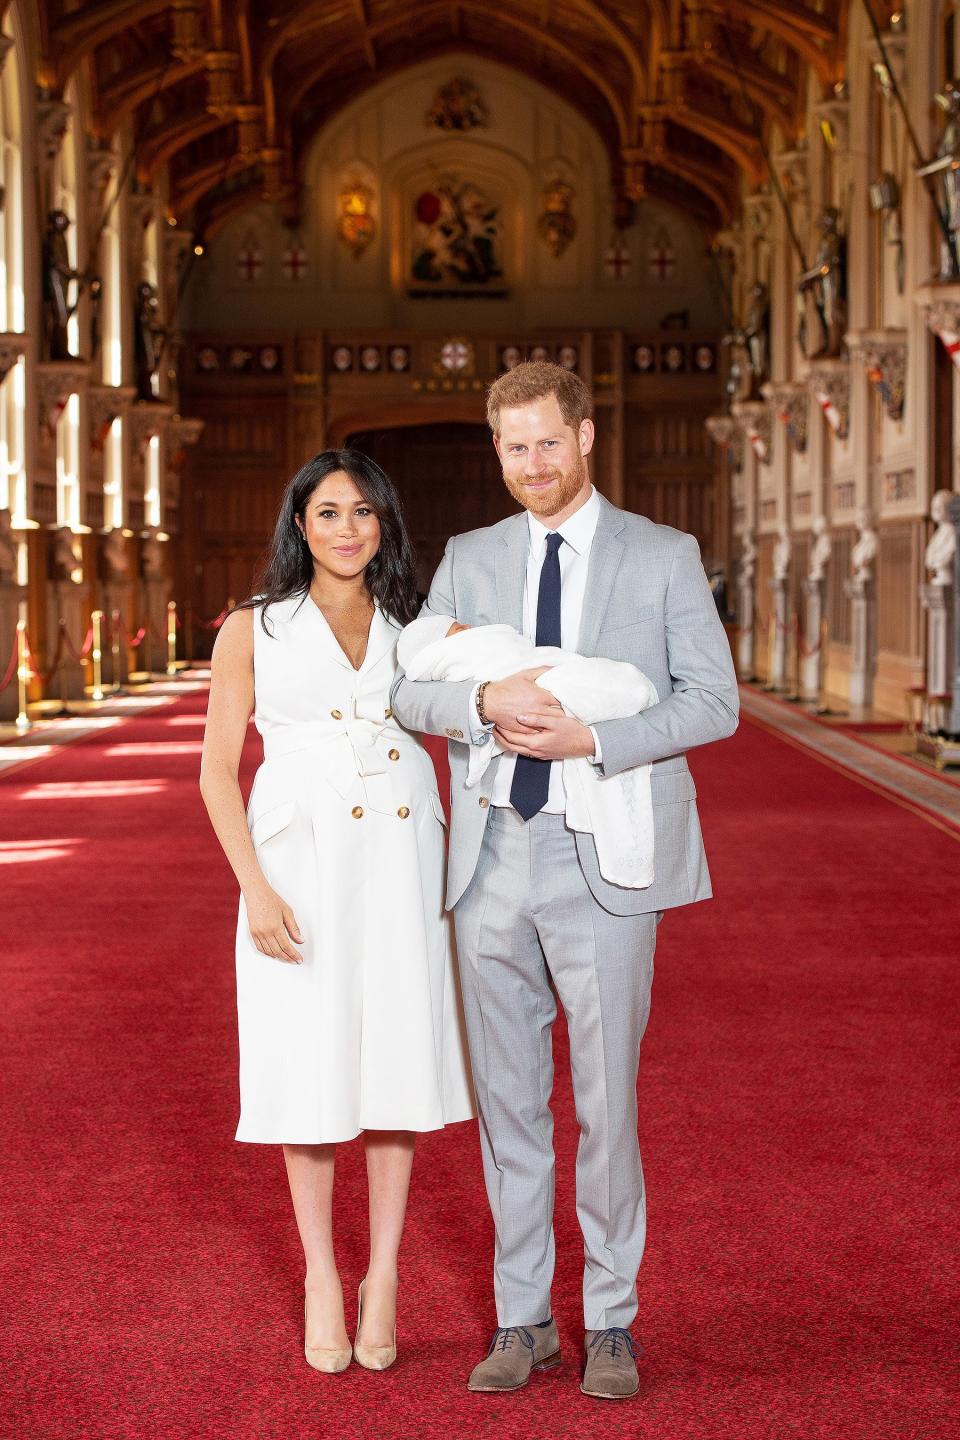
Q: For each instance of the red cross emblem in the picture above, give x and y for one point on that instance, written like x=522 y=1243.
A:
x=249 y=264
x=295 y=263
x=662 y=261
x=617 y=261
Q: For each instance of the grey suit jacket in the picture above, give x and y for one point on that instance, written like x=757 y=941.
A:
x=647 y=601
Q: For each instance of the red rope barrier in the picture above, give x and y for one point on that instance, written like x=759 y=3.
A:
x=85 y=648
x=214 y=624
x=12 y=667
x=134 y=641
x=44 y=676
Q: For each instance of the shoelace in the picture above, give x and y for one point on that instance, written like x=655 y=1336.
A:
x=614 y=1338
x=503 y=1338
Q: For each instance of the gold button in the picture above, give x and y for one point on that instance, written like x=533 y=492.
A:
x=336 y=715
x=357 y=812
x=393 y=754
x=388 y=714
x=483 y=802
x=403 y=812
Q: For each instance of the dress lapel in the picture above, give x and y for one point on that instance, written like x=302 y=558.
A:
x=511 y=563
x=606 y=552
x=382 y=639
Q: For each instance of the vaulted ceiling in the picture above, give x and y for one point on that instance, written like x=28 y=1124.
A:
x=228 y=93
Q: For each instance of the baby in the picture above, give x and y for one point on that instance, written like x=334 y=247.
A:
x=617 y=812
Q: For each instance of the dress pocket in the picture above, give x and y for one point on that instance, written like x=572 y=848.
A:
x=272 y=821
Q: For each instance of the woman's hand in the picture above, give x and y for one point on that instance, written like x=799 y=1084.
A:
x=273 y=925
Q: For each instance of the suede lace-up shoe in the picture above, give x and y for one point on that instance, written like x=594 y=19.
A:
x=514 y=1351
x=610 y=1372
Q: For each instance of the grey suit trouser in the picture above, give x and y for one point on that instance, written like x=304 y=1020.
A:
x=528 y=916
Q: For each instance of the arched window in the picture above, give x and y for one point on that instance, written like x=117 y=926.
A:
x=13 y=480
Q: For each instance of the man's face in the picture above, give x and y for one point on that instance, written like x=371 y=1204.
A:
x=543 y=459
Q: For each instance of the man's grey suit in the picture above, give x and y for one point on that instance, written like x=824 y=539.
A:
x=531 y=906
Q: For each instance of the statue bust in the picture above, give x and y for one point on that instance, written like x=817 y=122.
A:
x=748 y=558
x=115 y=557
x=781 y=554
x=820 y=551
x=942 y=545
x=153 y=557
x=8 y=549
x=827 y=282
x=864 y=551
x=67 y=565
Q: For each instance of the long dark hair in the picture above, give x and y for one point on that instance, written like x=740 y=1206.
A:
x=288 y=568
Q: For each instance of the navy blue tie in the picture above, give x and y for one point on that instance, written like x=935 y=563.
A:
x=531 y=778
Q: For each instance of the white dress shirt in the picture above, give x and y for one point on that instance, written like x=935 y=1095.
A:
x=574 y=556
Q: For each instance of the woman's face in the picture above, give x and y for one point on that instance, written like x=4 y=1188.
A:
x=342 y=529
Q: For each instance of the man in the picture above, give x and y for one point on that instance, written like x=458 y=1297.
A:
x=529 y=902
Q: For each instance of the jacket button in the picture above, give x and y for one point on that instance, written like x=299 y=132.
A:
x=483 y=802
x=336 y=715
x=393 y=754
x=403 y=812
x=357 y=812
x=388 y=714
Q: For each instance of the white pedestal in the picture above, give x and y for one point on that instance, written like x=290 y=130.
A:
x=745 y=632
x=938 y=603
x=156 y=595
x=116 y=656
x=863 y=635
x=813 y=659
x=67 y=601
x=781 y=640
x=11 y=595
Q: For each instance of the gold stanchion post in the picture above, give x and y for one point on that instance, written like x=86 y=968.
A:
x=96 y=655
x=24 y=723
x=115 y=650
x=172 y=638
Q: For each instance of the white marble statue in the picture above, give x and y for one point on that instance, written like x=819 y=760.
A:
x=748 y=558
x=781 y=554
x=154 y=566
x=115 y=554
x=8 y=549
x=942 y=545
x=66 y=561
x=864 y=551
x=820 y=551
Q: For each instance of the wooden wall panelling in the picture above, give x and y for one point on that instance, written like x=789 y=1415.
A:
x=838 y=605
x=899 y=570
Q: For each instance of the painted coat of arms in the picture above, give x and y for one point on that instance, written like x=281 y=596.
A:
x=458 y=105
x=456 y=240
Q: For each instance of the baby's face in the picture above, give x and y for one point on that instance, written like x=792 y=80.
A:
x=455 y=629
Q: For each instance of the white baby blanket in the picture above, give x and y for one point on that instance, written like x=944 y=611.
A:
x=617 y=812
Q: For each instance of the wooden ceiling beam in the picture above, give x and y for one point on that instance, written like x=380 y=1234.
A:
x=800 y=36
x=153 y=152
x=76 y=34
x=195 y=184
x=360 y=10
x=131 y=87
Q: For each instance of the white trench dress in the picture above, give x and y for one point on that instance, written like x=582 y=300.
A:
x=366 y=1034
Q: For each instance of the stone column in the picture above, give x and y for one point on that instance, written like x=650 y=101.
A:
x=67 y=603
x=777 y=680
x=953 y=724
x=11 y=594
x=812 y=662
x=860 y=593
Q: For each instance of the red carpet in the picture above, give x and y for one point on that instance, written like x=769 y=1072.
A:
x=800 y=1278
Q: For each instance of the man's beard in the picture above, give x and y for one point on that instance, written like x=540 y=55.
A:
x=551 y=501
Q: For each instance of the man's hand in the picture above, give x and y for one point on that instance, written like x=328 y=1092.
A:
x=549 y=735
x=505 y=700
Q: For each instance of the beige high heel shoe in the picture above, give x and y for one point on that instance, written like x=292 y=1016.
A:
x=330 y=1362
x=372 y=1357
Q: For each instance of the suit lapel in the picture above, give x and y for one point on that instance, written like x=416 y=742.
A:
x=512 y=556
x=606 y=553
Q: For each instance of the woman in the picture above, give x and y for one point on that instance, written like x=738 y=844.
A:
x=349 y=1011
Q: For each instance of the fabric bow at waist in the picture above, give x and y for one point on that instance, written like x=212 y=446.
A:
x=347 y=748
